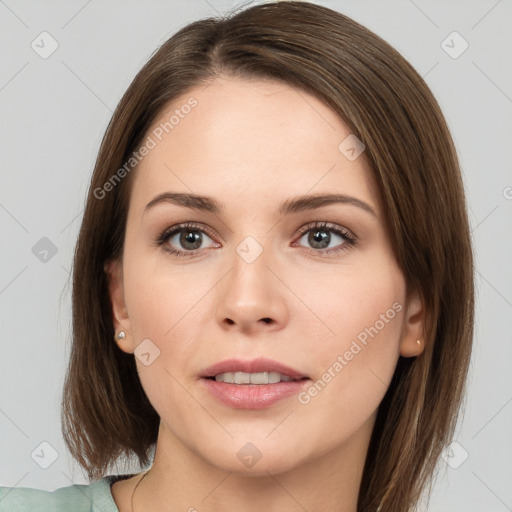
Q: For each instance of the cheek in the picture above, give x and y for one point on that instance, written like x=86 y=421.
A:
x=370 y=315
x=365 y=309
x=161 y=299
x=167 y=306
x=164 y=308
x=351 y=301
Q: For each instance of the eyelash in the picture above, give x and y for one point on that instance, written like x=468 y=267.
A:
x=349 y=238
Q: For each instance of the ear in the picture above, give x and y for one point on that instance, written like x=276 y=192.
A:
x=414 y=327
x=114 y=271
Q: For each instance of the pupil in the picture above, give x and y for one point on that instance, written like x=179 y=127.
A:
x=318 y=237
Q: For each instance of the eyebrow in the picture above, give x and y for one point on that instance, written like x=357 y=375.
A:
x=293 y=205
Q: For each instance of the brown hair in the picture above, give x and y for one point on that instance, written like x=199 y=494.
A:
x=386 y=104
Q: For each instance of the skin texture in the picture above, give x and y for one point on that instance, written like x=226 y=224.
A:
x=252 y=144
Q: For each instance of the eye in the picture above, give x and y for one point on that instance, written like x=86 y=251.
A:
x=184 y=239
x=187 y=239
x=327 y=238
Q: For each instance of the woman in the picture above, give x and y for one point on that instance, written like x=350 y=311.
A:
x=273 y=281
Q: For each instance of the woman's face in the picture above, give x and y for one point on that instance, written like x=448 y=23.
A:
x=257 y=278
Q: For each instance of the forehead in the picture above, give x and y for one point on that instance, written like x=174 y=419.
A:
x=249 y=140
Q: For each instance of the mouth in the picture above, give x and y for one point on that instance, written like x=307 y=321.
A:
x=255 y=384
x=256 y=372
x=255 y=379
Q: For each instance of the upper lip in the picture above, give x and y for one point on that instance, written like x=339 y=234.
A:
x=254 y=366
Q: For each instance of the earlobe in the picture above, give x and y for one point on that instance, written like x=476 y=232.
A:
x=413 y=338
x=120 y=318
x=411 y=348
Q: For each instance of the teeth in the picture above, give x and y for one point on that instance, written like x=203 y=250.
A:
x=252 y=378
x=242 y=378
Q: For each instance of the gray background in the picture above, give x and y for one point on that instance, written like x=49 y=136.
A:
x=53 y=114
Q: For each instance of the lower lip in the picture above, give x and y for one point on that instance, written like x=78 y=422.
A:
x=256 y=396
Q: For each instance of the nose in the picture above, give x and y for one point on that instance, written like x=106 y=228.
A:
x=251 y=298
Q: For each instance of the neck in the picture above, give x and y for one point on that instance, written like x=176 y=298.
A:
x=181 y=479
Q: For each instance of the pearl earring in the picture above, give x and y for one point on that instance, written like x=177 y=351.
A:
x=418 y=342
x=120 y=336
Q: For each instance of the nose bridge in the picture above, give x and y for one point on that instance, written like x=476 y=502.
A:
x=249 y=275
x=250 y=292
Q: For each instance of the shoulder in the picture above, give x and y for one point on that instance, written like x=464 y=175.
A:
x=92 y=497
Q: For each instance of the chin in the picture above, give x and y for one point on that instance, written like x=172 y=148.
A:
x=255 y=459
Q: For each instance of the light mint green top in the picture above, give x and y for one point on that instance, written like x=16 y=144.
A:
x=93 y=497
